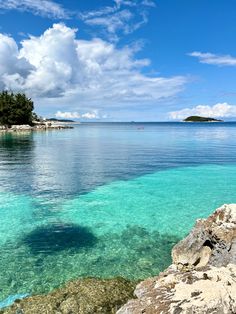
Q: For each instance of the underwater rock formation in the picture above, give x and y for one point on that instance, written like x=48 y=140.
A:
x=202 y=278
x=84 y=296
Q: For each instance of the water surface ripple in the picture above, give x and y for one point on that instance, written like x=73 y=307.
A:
x=106 y=199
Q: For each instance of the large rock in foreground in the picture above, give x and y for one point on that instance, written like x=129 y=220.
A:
x=84 y=296
x=212 y=241
x=202 y=278
x=209 y=290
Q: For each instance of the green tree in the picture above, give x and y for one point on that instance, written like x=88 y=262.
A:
x=15 y=109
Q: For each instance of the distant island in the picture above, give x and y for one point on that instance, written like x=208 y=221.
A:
x=60 y=120
x=201 y=119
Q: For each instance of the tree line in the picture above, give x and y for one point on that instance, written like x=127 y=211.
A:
x=16 y=108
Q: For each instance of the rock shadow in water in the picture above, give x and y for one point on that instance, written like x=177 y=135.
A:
x=51 y=239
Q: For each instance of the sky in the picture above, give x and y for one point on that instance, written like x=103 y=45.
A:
x=121 y=60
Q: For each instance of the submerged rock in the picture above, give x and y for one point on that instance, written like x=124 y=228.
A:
x=11 y=299
x=202 y=278
x=84 y=296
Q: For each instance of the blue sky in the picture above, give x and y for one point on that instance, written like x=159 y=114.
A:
x=121 y=60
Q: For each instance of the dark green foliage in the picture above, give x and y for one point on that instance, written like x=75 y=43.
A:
x=60 y=120
x=15 y=109
x=200 y=119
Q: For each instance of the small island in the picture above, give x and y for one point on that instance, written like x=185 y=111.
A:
x=60 y=120
x=201 y=119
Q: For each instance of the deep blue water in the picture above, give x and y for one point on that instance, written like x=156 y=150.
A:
x=106 y=199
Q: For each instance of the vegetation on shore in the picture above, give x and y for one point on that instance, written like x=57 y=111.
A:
x=60 y=120
x=16 y=108
x=16 y=114
x=201 y=119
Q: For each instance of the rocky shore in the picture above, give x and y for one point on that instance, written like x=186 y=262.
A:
x=201 y=280
x=36 y=127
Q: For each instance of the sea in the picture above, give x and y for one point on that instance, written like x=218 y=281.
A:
x=106 y=199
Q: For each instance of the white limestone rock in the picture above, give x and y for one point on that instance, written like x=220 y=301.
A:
x=202 y=278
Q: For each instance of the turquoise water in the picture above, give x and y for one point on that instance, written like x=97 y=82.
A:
x=106 y=199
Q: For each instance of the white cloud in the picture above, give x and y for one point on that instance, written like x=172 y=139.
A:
x=134 y=3
x=114 y=22
x=12 y=65
x=57 y=68
x=220 y=110
x=129 y=3
x=210 y=58
x=90 y=115
x=124 y=17
x=46 y=8
x=77 y=115
x=67 y=115
x=121 y=17
x=149 y=3
x=96 y=13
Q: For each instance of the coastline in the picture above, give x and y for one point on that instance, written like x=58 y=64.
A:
x=39 y=127
x=203 y=261
x=203 y=121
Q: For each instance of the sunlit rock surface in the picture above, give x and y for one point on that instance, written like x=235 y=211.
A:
x=212 y=241
x=202 y=278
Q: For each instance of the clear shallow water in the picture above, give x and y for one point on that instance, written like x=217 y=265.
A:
x=106 y=199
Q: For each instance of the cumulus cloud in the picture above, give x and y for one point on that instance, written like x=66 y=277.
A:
x=220 y=110
x=45 y=8
x=12 y=66
x=77 y=115
x=57 y=68
x=210 y=58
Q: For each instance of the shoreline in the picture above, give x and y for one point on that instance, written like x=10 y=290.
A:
x=203 y=261
x=28 y=128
